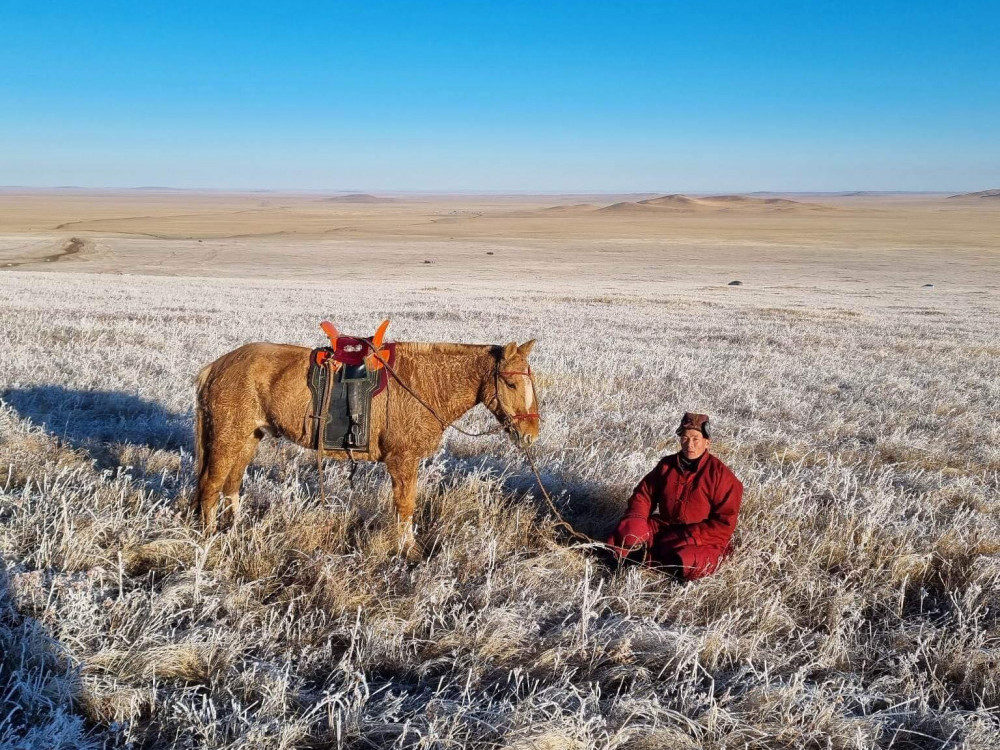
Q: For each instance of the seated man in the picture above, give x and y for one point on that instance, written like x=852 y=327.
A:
x=684 y=511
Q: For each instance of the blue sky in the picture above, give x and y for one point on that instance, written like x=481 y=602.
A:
x=501 y=96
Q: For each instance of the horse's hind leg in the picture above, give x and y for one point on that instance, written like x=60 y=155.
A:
x=234 y=481
x=214 y=472
x=209 y=485
x=221 y=454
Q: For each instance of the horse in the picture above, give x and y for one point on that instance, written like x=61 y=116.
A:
x=261 y=389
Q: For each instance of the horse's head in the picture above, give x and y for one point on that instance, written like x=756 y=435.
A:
x=510 y=392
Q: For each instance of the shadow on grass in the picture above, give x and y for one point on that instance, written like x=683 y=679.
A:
x=95 y=421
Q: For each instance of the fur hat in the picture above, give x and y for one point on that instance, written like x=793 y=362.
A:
x=692 y=421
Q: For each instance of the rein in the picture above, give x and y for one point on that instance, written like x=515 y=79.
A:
x=508 y=422
x=405 y=387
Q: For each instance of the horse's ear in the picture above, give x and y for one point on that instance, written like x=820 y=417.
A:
x=525 y=349
x=510 y=350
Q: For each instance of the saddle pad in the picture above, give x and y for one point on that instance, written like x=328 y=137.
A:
x=353 y=388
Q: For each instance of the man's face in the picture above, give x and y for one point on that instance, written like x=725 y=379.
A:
x=693 y=444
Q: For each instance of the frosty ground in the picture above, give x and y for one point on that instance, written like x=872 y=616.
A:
x=861 y=609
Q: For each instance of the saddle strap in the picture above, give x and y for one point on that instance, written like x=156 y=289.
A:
x=324 y=403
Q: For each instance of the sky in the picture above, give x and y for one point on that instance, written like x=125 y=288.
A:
x=501 y=96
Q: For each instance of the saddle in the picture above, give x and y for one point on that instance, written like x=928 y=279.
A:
x=343 y=380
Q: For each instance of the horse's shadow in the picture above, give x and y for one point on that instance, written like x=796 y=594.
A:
x=97 y=421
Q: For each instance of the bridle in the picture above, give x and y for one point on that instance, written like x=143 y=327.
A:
x=507 y=418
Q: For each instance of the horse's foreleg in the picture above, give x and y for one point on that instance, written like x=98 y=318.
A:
x=403 y=472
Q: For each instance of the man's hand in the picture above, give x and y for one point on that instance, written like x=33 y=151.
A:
x=631 y=535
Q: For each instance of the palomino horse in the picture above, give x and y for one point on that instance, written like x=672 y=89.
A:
x=260 y=389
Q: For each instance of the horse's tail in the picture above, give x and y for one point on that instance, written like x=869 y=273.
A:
x=200 y=426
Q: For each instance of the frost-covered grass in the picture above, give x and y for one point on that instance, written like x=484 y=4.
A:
x=862 y=608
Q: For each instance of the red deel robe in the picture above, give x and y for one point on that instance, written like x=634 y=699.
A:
x=687 y=515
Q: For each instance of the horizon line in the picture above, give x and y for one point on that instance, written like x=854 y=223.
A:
x=846 y=192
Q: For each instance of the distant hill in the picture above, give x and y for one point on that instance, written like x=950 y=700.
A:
x=686 y=203
x=675 y=203
x=358 y=198
x=574 y=209
x=981 y=194
x=671 y=201
x=571 y=210
x=629 y=207
x=743 y=200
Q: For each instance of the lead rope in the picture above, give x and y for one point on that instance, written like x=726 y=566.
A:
x=560 y=521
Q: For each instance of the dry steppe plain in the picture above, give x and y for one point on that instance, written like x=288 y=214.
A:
x=853 y=379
